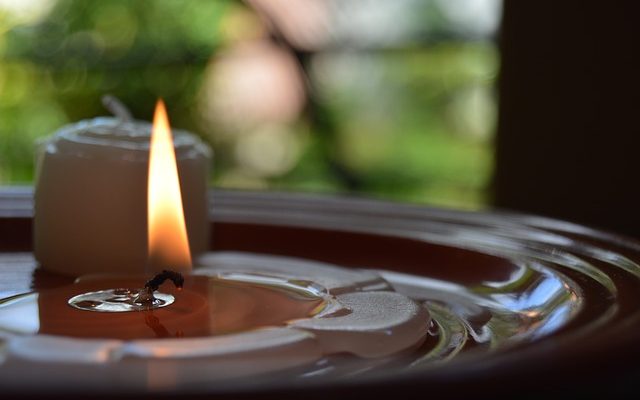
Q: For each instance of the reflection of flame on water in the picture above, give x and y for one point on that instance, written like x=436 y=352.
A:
x=168 y=244
x=160 y=330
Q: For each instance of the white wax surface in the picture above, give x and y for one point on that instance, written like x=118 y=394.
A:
x=91 y=196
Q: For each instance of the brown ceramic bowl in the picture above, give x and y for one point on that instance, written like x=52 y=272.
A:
x=520 y=303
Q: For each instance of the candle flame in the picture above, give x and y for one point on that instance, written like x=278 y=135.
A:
x=167 y=234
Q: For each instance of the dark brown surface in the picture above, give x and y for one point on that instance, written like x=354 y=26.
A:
x=568 y=130
x=363 y=251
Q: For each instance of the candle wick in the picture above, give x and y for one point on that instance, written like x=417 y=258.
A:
x=145 y=295
x=117 y=108
x=154 y=283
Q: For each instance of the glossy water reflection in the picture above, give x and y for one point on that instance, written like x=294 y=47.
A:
x=209 y=306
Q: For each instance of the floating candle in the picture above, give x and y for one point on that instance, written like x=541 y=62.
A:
x=90 y=199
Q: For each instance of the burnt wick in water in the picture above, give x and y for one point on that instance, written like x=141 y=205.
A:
x=145 y=296
x=175 y=277
x=124 y=300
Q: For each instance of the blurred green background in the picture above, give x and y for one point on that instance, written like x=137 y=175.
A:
x=364 y=97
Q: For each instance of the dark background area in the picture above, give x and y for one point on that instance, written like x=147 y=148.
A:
x=568 y=130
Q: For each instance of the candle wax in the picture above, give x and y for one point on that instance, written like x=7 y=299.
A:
x=91 y=196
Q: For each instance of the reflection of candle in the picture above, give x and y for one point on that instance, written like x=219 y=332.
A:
x=90 y=201
x=205 y=307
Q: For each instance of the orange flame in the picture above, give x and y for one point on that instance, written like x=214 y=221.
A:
x=167 y=234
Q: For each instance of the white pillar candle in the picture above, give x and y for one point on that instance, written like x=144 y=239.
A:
x=91 y=196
